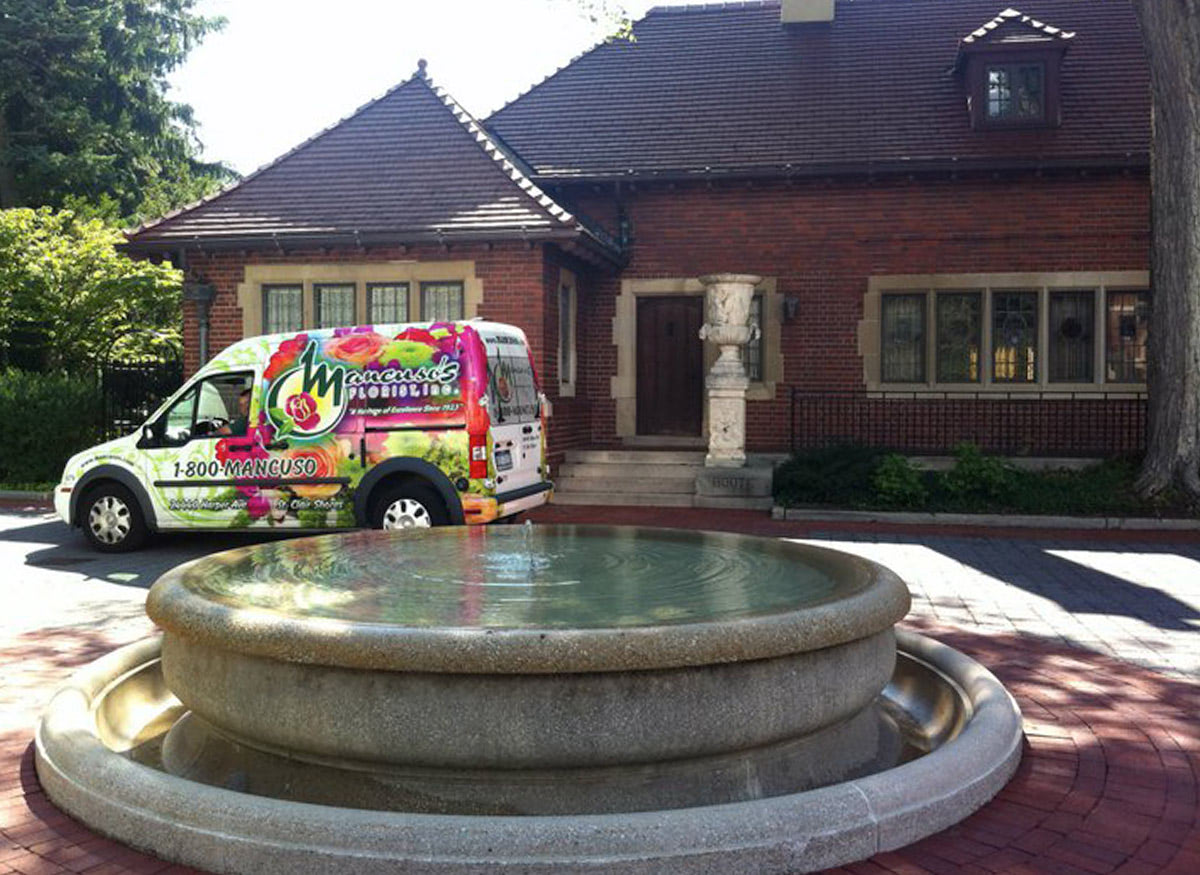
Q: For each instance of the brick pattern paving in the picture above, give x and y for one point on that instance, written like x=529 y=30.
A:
x=1110 y=780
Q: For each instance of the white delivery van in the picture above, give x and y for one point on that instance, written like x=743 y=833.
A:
x=388 y=426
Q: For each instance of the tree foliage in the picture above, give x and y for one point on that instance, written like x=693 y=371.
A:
x=84 y=116
x=70 y=300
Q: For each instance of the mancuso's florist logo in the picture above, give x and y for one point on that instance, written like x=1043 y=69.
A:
x=308 y=400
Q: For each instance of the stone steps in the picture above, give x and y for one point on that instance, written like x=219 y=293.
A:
x=693 y=458
x=631 y=499
x=621 y=483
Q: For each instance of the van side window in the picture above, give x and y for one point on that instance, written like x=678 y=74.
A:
x=512 y=392
x=215 y=407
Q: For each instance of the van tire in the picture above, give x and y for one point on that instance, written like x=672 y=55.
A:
x=408 y=505
x=112 y=519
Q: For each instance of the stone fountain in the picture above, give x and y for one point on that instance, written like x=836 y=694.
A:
x=553 y=699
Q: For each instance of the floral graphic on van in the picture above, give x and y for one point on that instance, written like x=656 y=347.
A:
x=357 y=346
x=303 y=411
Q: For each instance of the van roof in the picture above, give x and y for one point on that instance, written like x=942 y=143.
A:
x=258 y=344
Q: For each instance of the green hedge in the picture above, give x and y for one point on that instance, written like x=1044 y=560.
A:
x=866 y=478
x=44 y=419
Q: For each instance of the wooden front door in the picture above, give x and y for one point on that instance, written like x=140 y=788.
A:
x=670 y=366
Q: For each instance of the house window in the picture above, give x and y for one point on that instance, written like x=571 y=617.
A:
x=334 y=303
x=754 y=349
x=283 y=308
x=1015 y=92
x=387 y=302
x=441 y=302
x=1072 y=330
x=903 y=349
x=1014 y=337
x=1126 y=322
x=959 y=333
x=567 y=314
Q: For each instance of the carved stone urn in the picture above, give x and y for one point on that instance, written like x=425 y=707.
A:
x=727 y=314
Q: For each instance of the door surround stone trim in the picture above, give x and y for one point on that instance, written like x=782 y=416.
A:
x=623 y=385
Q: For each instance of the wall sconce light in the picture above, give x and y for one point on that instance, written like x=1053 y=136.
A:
x=791 y=307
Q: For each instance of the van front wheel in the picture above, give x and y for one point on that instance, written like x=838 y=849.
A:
x=409 y=506
x=112 y=519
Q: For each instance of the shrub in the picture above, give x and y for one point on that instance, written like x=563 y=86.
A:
x=899 y=483
x=978 y=480
x=44 y=419
x=832 y=475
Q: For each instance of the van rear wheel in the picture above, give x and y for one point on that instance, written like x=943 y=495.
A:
x=409 y=506
x=112 y=519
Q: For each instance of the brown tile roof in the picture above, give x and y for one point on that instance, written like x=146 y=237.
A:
x=726 y=88
x=409 y=166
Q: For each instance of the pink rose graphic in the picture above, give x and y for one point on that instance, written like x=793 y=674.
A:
x=303 y=410
x=356 y=348
x=258 y=505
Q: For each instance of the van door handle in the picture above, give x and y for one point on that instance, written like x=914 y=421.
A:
x=276 y=445
x=241 y=448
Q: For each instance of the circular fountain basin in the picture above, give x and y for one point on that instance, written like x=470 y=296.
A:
x=529 y=647
x=555 y=699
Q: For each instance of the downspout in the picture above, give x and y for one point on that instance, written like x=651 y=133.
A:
x=203 y=294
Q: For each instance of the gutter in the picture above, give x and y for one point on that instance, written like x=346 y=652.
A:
x=894 y=167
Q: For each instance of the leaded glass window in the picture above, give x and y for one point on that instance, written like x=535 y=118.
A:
x=441 y=302
x=1126 y=326
x=1016 y=92
x=1072 y=341
x=283 y=308
x=902 y=357
x=1014 y=337
x=387 y=302
x=754 y=349
x=959 y=336
x=334 y=304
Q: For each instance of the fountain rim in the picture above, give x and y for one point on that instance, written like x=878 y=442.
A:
x=830 y=826
x=878 y=600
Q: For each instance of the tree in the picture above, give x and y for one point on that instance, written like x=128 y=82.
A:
x=71 y=299
x=1171 y=34
x=84 y=116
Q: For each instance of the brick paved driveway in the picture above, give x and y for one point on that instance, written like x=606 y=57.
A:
x=1095 y=635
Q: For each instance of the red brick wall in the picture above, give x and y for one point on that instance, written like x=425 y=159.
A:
x=823 y=239
x=512 y=276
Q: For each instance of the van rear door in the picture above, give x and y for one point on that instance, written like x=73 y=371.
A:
x=514 y=407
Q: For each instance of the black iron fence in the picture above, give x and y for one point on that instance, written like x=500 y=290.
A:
x=131 y=392
x=1079 y=424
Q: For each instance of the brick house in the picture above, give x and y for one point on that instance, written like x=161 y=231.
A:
x=948 y=202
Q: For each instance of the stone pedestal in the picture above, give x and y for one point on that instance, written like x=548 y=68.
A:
x=727 y=314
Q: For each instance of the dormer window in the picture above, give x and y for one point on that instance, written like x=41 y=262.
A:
x=1016 y=92
x=1011 y=69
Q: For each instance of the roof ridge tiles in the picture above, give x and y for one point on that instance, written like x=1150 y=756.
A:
x=491 y=149
x=419 y=75
x=713 y=7
x=1011 y=14
x=481 y=136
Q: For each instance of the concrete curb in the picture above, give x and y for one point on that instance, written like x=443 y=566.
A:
x=225 y=831
x=22 y=495
x=986 y=520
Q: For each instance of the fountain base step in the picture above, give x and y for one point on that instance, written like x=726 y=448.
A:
x=870 y=742
x=118 y=710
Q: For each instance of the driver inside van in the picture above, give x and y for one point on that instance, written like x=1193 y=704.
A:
x=237 y=426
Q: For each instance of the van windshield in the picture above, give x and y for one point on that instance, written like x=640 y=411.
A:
x=512 y=391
